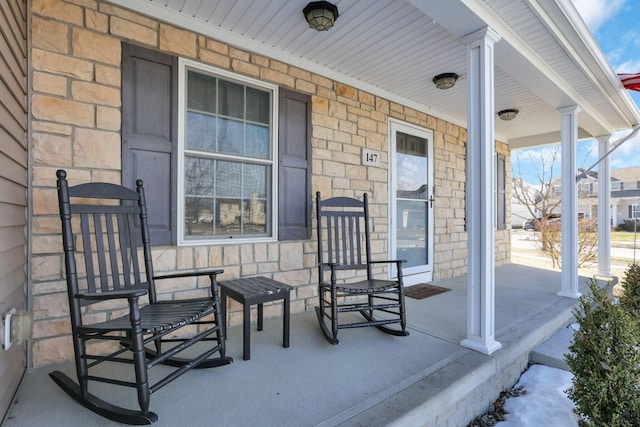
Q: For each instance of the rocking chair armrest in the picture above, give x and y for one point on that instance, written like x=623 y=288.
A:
x=387 y=261
x=189 y=274
x=330 y=264
x=105 y=296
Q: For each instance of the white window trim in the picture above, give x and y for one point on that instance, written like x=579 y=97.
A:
x=183 y=65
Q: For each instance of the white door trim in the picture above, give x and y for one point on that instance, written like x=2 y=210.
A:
x=420 y=274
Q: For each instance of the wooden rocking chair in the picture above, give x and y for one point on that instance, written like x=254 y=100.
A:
x=111 y=270
x=344 y=245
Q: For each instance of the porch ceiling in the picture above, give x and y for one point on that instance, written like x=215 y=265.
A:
x=546 y=59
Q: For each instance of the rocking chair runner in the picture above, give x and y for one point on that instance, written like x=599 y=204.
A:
x=111 y=270
x=344 y=244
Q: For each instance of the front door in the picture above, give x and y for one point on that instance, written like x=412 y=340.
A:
x=411 y=200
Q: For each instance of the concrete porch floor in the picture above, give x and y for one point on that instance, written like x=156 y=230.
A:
x=369 y=379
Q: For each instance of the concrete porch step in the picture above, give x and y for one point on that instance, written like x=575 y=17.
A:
x=552 y=351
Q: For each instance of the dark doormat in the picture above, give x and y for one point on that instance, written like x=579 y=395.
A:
x=423 y=290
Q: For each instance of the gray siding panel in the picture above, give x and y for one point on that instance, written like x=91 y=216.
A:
x=13 y=184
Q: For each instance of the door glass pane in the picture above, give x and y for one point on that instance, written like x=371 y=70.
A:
x=411 y=199
x=411 y=167
x=411 y=232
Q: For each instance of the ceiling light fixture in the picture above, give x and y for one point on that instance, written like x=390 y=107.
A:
x=508 y=114
x=320 y=15
x=445 y=80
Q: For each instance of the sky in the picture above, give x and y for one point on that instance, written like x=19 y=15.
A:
x=614 y=25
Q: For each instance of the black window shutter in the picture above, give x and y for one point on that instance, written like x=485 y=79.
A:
x=149 y=134
x=294 y=166
x=501 y=193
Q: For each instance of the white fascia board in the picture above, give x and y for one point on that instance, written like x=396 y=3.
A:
x=481 y=9
x=574 y=25
x=166 y=15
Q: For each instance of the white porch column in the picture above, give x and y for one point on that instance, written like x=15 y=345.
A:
x=604 y=208
x=569 y=141
x=480 y=197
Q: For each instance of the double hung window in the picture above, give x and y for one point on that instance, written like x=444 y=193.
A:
x=226 y=156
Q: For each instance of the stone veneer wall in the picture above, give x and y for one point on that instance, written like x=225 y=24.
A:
x=76 y=123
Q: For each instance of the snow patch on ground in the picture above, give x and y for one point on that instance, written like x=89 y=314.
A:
x=546 y=402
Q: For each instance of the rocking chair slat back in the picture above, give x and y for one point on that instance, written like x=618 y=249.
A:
x=110 y=242
x=346 y=243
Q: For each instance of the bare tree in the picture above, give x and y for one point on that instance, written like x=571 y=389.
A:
x=542 y=198
x=539 y=197
x=587 y=241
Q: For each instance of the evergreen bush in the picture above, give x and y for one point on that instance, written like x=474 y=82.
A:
x=631 y=284
x=605 y=361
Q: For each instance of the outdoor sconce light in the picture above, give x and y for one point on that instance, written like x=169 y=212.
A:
x=445 y=80
x=320 y=15
x=509 y=114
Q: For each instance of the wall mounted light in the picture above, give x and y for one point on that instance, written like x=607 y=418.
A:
x=508 y=114
x=320 y=15
x=445 y=80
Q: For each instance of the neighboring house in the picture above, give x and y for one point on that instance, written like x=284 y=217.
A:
x=625 y=194
x=236 y=113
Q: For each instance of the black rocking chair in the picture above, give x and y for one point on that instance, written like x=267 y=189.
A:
x=344 y=244
x=108 y=242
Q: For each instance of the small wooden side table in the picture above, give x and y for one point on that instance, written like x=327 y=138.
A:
x=255 y=290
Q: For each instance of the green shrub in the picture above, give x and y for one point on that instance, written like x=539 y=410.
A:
x=605 y=361
x=631 y=284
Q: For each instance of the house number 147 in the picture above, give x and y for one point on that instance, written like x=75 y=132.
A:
x=370 y=157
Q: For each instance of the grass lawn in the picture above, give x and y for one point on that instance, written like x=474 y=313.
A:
x=625 y=236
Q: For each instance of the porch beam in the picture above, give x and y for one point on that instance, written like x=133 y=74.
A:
x=480 y=196
x=604 y=207
x=569 y=142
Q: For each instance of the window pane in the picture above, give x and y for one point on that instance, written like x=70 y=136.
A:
x=231 y=98
x=257 y=143
x=229 y=215
x=201 y=92
x=254 y=181
x=228 y=179
x=198 y=177
x=255 y=217
x=198 y=216
x=201 y=132
x=257 y=105
x=230 y=136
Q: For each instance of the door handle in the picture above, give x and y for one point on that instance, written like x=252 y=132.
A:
x=431 y=200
